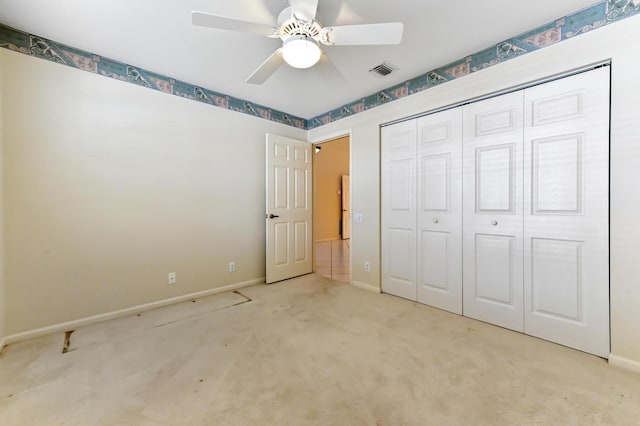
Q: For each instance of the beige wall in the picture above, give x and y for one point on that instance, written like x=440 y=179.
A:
x=329 y=165
x=611 y=42
x=111 y=186
x=2 y=279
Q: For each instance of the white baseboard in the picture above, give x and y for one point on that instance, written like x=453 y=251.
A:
x=72 y=325
x=625 y=363
x=363 y=286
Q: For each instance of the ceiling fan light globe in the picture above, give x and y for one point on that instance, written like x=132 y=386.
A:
x=301 y=52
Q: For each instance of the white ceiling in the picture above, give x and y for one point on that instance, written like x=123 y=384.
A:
x=158 y=36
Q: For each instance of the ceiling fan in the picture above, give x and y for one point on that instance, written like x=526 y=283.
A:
x=302 y=35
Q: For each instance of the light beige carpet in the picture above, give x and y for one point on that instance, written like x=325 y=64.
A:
x=307 y=351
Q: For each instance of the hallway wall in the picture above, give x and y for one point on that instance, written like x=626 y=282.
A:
x=329 y=165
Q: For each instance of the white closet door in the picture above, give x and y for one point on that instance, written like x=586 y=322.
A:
x=492 y=200
x=439 y=190
x=566 y=211
x=399 y=209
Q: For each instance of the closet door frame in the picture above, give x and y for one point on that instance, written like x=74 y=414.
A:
x=488 y=230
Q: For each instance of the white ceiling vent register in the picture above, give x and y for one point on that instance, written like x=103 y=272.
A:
x=383 y=70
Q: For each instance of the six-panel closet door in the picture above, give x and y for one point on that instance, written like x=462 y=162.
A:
x=439 y=238
x=492 y=216
x=499 y=210
x=422 y=210
x=398 y=188
x=566 y=238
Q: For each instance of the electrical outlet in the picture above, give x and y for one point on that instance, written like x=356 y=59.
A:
x=367 y=266
x=171 y=278
x=232 y=266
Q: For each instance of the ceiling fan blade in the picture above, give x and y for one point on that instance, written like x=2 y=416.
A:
x=328 y=70
x=267 y=68
x=214 y=21
x=304 y=9
x=367 y=34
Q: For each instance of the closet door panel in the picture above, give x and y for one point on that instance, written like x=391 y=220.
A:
x=566 y=279
x=492 y=212
x=494 y=280
x=439 y=216
x=398 y=151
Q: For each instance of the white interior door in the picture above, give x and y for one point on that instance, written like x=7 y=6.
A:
x=346 y=207
x=492 y=223
x=439 y=224
x=566 y=160
x=399 y=209
x=289 y=209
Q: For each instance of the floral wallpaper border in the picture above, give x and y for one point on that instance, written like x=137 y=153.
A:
x=603 y=13
x=40 y=47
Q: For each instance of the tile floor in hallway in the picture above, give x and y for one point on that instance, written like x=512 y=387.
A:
x=333 y=259
x=308 y=351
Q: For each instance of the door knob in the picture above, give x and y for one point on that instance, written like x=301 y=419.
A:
x=435 y=220
x=494 y=223
x=271 y=216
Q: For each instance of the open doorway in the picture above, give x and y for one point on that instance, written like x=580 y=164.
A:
x=332 y=209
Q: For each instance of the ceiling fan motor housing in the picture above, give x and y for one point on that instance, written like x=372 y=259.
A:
x=289 y=25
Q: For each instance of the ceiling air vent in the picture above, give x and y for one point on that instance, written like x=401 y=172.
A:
x=383 y=70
